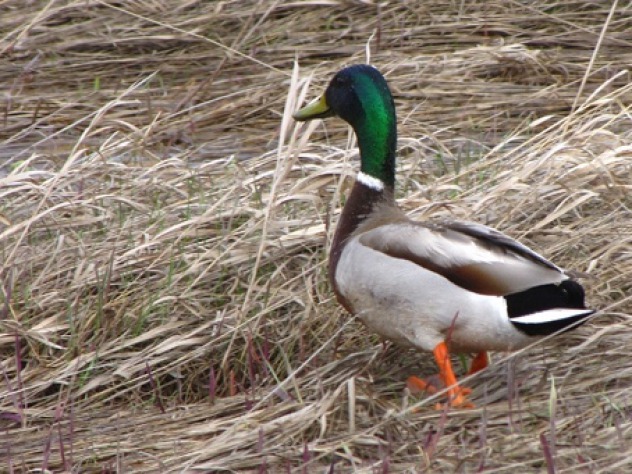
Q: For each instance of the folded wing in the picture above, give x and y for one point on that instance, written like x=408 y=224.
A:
x=473 y=256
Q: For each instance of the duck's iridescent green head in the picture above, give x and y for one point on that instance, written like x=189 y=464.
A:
x=360 y=96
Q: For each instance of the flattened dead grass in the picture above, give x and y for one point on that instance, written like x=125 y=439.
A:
x=164 y=226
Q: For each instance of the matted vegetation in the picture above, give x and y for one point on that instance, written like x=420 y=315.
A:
x=164 y=227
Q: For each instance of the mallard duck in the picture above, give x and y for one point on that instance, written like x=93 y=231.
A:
x=436 y=286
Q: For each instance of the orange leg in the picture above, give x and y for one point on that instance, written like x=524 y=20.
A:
x=479 y=362
x=456 y=394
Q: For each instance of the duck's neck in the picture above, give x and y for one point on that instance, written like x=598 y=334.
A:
x=377 y=138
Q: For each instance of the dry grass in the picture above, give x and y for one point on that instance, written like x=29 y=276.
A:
x=164 y=227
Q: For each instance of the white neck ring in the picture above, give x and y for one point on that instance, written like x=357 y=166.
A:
x=370 y=181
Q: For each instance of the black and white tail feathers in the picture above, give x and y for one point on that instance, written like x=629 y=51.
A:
x=546 y=309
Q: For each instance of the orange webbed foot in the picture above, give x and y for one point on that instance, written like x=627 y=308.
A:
x=433 y=384
x=430 y=385
x=457 y=395
x=458 y=399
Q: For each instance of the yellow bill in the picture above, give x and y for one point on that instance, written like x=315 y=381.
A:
x=317 y=108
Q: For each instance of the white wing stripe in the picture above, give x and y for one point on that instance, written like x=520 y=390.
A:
x=551 y=315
